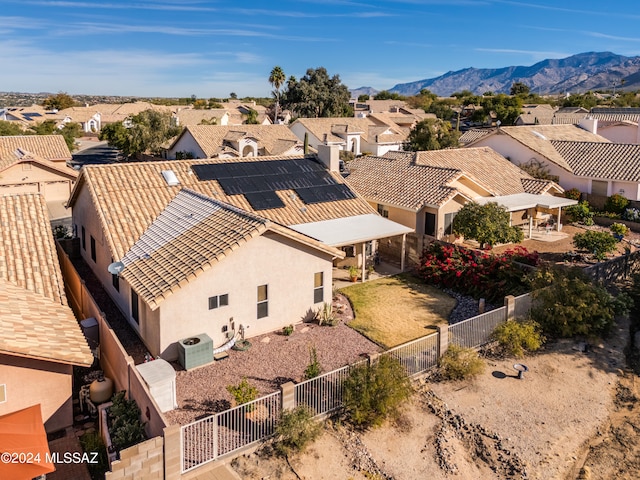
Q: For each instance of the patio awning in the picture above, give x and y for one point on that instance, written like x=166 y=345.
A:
x=522 y=201
x=351 y=230
x=22 y=434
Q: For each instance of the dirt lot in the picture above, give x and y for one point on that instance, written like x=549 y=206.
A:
x=571 y=410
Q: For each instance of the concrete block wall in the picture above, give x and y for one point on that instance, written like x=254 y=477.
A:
x=144 y=461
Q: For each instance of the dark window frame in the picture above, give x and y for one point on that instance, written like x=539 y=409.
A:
x=263 y=303
x=318 y=289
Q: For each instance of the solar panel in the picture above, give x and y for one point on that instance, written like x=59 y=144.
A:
x=325 y=193
x=264 y=200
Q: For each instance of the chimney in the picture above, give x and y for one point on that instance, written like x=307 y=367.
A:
x=330 y=156
x=590 y=125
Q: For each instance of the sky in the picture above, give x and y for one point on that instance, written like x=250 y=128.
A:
x=180 y=48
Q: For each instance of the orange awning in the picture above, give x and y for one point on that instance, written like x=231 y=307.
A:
x=24 y=450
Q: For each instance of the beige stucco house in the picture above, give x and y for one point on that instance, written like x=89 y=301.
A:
x=40 y=339
x=218 y=246
x=225 y=141
x=37 y=164
x=425 y=190
x=573 y=154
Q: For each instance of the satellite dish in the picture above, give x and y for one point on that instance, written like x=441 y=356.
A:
x=115 y=268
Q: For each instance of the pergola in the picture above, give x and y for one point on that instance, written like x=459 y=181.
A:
x=359 y=229
x=525 y=201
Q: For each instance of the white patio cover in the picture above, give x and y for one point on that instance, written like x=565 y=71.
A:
x=351 y=230
x=522 y=201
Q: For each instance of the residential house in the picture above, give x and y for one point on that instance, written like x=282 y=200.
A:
x=41 y=340
x=89 y=119
x=356 y=135
x=26 y=116
x=187 y=117
x=425 y=190
x=577 y=157
x=220 y=246
x=36 y=164
x=218 y=141
x=536 y=114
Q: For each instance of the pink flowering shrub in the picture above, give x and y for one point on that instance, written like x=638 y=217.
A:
x=479 y=274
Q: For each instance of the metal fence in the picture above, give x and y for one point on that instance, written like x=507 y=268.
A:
x=324 y=393
x=418 y=355
x=476 y=331
x=522 y=306
x=222 y=433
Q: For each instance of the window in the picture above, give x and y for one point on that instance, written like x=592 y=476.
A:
x=263 y=301
x=382 y=210
x=318 y=287
x=84 y=238
x=3 y=393
x=448 y=222
x=218 y=301
x=598 y=187
x=93 y=248
x=115 y=280
x=430 y=224
x=135 y=314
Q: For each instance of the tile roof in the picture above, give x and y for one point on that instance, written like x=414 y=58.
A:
x=211 y=138
x=23 y=156
x=612 y=161
x=189 y=116
x=49 y=147
x=538 y=138
x=330 y=127
x=413 y=180
x=34 y=317
x=130 y=196
x=472 y=135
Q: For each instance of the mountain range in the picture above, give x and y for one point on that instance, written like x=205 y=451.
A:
x=575 y=74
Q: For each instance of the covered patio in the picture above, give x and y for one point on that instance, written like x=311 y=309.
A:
x=536 y=210
x=358 y=237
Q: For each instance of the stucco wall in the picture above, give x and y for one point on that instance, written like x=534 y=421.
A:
x=31 y=381
x=31 y=178
x=621 y=133
x=186 y=144
x=287 y=268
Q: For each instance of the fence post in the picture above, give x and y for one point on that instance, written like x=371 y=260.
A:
x=510 y=303
x=173 y=452
x=288 y=396
x=372 y=358
x=443 y=339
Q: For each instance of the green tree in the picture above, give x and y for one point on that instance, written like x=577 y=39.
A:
x=317 y=95
x=519 y=88
x=430 y=134
x=276 y=79
x=70 y=131
x=59 y=101
x=595 y=242
x=251 y=118
x=387 y=95
x=10 y=129
x=116 y=135
x=374 y=392
x=48 y=127
x=233 y=95
x=488 y=224
x=363 y=98
x=506 y=108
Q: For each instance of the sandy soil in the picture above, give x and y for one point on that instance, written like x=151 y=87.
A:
x=570 y=410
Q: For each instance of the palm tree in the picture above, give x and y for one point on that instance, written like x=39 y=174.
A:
x=276 y=79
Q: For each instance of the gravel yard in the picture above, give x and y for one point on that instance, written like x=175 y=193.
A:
x=272 y=360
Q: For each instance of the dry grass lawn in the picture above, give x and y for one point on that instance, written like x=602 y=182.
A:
x=395 y=310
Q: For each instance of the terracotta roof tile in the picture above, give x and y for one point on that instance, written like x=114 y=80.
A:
x=612 y=161
x=331 y=127
x=49 y=147
x=34 y=317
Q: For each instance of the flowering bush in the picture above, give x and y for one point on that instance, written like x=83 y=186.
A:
x=631 y=214
x=616 y=203
x=573 y=193
x=477 y=274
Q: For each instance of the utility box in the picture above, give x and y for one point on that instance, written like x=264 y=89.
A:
x=160 y=377
x=195 y=351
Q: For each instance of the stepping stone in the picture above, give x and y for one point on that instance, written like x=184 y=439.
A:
x=305 y=330
x=265 y=340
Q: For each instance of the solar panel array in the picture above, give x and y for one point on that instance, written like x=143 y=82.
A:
x=258 y=181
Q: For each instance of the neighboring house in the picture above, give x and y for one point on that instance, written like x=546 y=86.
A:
x=218 y=141
x=356 y=135
x=36 y=164
x=537 y=114
x=90 y=121
x=40 y=338
x=27 y=116
x=425 y=190
x=576 y=157
x=187 y=117
x=221 y=246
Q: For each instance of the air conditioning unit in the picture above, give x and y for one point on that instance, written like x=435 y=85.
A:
x=195 y=351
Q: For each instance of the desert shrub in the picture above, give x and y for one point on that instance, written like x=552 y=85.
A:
x=61 y=232
x=459 y=363
x=295 y=430
x=287 y=330
x=597 y=243
x=516 y=338
x=616 y=203
x=92 y=442
x=570 y=304
x=580 y=213
x=126 y=427
x=375 y=392
x=313 y=368
x=326 y=316
x=619 y=229
x=474 y=273
x=631 y=214
x=243 y=392
x=573 y=193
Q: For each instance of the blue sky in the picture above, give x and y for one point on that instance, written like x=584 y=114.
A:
x=179 y=48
